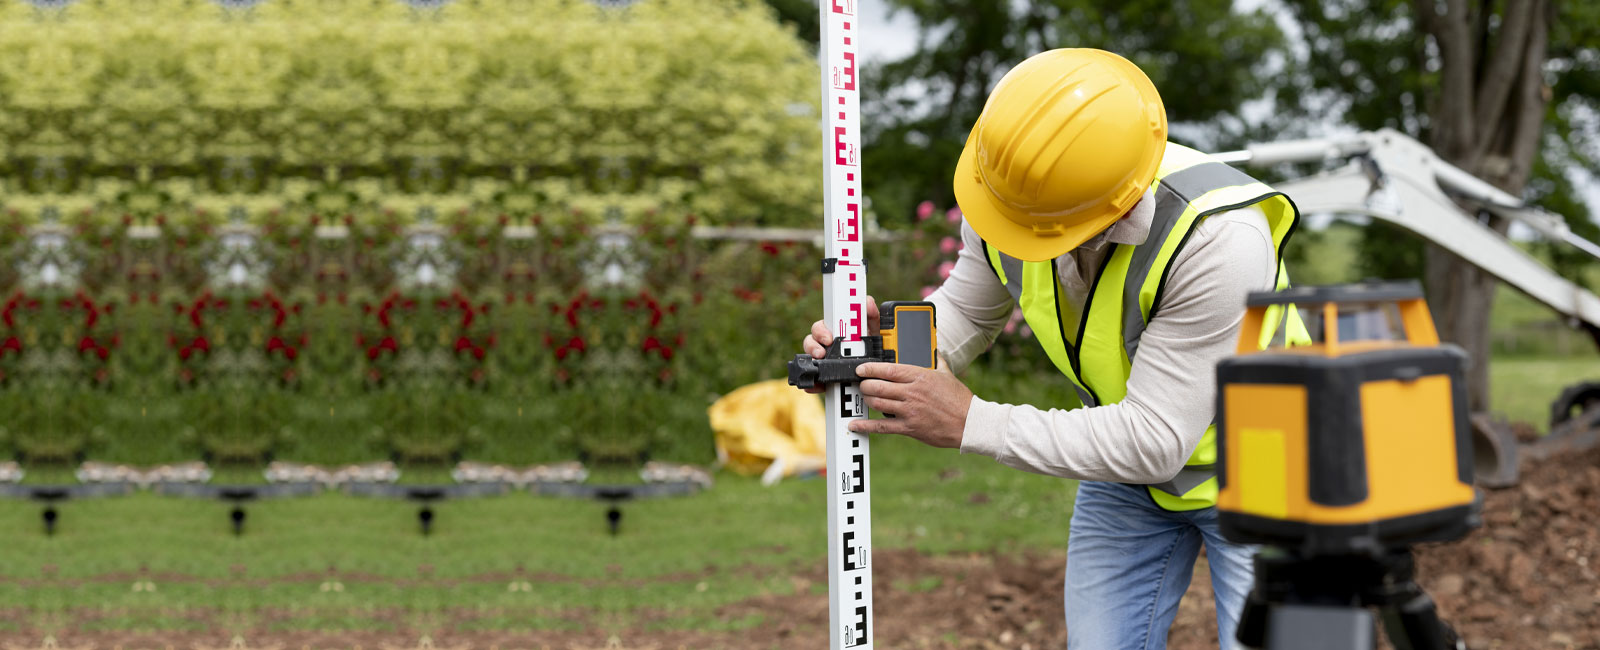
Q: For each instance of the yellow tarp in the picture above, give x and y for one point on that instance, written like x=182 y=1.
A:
x=769 y=421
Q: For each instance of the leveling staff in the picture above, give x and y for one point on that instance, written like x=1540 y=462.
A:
x=1130 y=258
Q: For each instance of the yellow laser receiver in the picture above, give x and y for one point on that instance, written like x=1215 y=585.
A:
x=906 y=335
x=1357 y=441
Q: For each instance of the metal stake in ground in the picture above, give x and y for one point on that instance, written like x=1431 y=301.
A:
x=844 y=295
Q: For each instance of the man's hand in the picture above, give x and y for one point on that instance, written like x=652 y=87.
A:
x=817 y=342
x=927 y=404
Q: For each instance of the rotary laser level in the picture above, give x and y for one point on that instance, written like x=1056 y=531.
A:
x=1338 y=455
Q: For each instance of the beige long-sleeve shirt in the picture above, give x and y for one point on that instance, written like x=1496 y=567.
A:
x=1149 y=435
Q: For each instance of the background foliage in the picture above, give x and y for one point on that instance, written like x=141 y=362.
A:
x=337 y=230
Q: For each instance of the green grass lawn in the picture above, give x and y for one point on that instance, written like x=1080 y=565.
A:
x=1523 y=388
x=678 y=558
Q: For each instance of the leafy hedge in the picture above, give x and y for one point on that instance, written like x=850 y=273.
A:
x=342 y=229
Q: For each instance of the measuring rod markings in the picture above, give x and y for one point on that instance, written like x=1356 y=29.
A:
x=844 y=292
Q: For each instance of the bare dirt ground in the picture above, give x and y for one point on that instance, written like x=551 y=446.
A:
x=1526 y=579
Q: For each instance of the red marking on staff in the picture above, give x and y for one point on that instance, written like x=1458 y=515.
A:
x=849 y=177
x=841 y=101
x=841 y=149
x=849 y=71
x=847 y=40
x=847 y=25
x=852 y=220
x=855 y=309
x=841 y=115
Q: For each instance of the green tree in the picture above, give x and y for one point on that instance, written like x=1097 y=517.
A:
x=1505 y=90
x=1206 y=56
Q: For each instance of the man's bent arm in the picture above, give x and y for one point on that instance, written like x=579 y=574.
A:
x=1149 y=435
x=971 y=306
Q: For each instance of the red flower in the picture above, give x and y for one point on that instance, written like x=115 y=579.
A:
x=477 y=353
x=184 y=353
x=769 y=248
x=386 y=344
x=275 y=343
x=666 y=353
x=200 y=343
x=463 y=343
x=576 y=343
x=290 y=353
x=12 y=343
x=102 y=353
x=561 y=353
x=650 y=343
x=87 y=344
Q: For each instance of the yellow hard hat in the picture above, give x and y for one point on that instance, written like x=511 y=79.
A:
x=1069 y=140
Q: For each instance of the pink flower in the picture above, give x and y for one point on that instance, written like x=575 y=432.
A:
x=928 y=291
x=944 y=269
x=953 y=215
x=924 y=210
x=949 y=245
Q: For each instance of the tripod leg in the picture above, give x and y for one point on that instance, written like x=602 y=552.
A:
x=1413 y=624
x=1252 y=631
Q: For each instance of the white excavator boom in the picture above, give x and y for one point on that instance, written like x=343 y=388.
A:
x=1392 y=177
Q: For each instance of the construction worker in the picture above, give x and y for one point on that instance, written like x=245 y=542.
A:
x=1130 y=258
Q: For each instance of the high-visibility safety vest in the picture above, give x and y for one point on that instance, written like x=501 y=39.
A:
x=1127 y=293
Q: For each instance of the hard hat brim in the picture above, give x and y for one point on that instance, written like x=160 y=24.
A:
x=997 y=223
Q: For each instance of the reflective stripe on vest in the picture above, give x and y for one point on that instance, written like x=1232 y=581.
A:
x=1127 y=293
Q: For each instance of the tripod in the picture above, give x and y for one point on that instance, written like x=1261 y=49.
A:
x=1319 y=602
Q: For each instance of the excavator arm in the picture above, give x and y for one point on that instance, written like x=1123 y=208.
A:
x=1388 y=175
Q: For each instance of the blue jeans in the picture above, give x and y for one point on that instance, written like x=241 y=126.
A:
x=1129 y=561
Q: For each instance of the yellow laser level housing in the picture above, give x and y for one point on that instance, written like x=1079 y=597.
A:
x=1356 y=442
x=908 y=331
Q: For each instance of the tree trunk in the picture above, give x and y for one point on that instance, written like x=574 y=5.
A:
x=1487 y=120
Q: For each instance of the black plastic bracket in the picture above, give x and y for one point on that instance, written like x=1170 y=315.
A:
x=806 y=371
